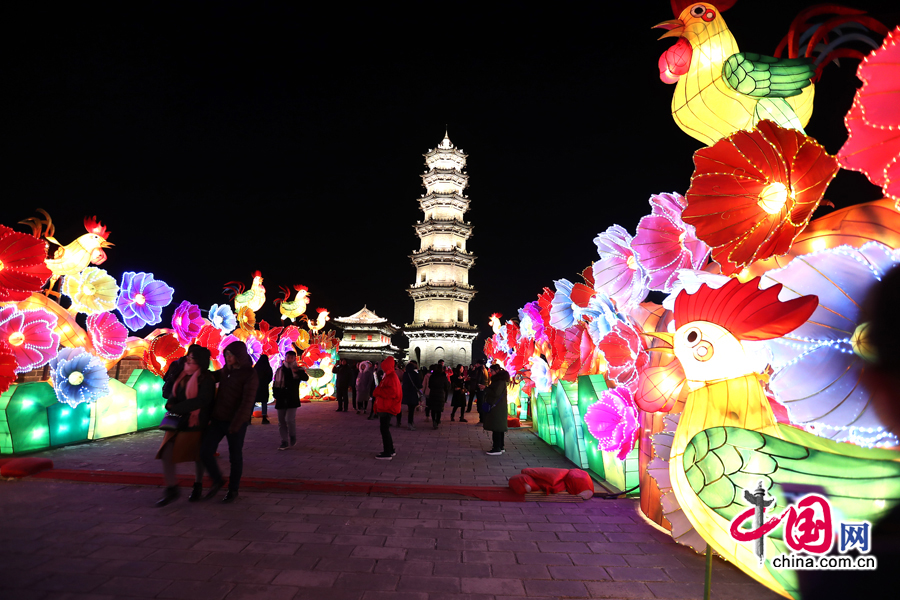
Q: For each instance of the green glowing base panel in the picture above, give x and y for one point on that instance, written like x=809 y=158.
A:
x=32 y=419
x=559 y=420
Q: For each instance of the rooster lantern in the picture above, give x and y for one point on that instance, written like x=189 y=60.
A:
x=293 y=309
x=720 y=90
x=255 y=297
x=727 y=438
x=72 y=258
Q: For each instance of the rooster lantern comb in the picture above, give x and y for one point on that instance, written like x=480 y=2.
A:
x=92 y=225
x=746 y=311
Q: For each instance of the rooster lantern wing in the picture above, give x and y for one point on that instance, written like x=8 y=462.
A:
x=727 y=439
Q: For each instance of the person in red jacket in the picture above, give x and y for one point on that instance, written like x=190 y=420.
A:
x=388 y=397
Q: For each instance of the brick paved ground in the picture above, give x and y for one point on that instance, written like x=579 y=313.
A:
x=68 y=541
x=342 y=446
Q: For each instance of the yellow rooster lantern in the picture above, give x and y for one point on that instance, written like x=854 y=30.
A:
x=319 y=323
x=728 y=440
x=718 y=89
x=72 y=258
x=494 y=322
x=293 y=309
x=254 y=298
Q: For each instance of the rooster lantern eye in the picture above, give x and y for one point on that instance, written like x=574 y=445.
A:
x=692 y=336
x=698 y=11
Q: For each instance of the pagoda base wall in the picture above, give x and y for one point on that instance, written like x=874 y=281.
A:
x=429 y=349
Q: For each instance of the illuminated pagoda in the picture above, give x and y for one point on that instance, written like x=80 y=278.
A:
x=440 y=328
x=366 y=336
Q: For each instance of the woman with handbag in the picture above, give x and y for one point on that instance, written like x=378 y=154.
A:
x=286 y=389
x=189 y=401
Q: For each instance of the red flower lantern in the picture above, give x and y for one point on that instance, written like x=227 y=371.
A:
x=873 y=122
x=163 y=351
x=210 y=337
x=753 y=192
x=22 y=267
x=8 y=366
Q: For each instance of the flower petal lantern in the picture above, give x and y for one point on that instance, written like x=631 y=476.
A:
x=141 y=299
x=753 y=192
x=567 y=302
x=531 y=323
x=540 y=374
x=8 y=366
x=30 y=336
x=268 y=337
x=624 y=351
x=665 y=243
x=602 y=316
x=210 y=337
x=580 y=353
x=78 y=377
x=618 y=273
x=254 y=347
x=22 y=267
x=835 y=402
x=613 y=420
x=246 y=318
x=108 y=336
x=164 y=349
x=222 y=318
x=187 y=322
x=92 y=291
x=873 y=122
x=285 y=345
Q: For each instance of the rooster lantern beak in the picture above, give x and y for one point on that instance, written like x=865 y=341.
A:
x=105 y=244
x=675 y=28
x=666 y=338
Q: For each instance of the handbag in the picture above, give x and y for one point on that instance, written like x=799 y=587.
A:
x=173 y=422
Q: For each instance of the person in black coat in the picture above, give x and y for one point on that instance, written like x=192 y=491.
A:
x=189 y=392
x=477 y=382
x=343 y=376
x=412 y=385
x=458 y=400
x=437 y=393
x=495 y=409
x=264 y=374
x=286 y=390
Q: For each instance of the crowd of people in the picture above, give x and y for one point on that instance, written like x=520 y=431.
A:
x=463 y=387
x=204 y=406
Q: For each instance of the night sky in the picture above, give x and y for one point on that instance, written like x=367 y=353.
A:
x=217 y=138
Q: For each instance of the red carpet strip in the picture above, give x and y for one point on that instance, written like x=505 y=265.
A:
x=490 y=493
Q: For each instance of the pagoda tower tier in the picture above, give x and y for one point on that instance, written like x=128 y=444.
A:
x=443 y=227
x=441 y=293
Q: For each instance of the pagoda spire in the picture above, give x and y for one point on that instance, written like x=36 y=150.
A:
x=440 y=327
x=446 y=143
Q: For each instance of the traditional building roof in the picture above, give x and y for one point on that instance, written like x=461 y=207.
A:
x=364 y=315
x=365 y=318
